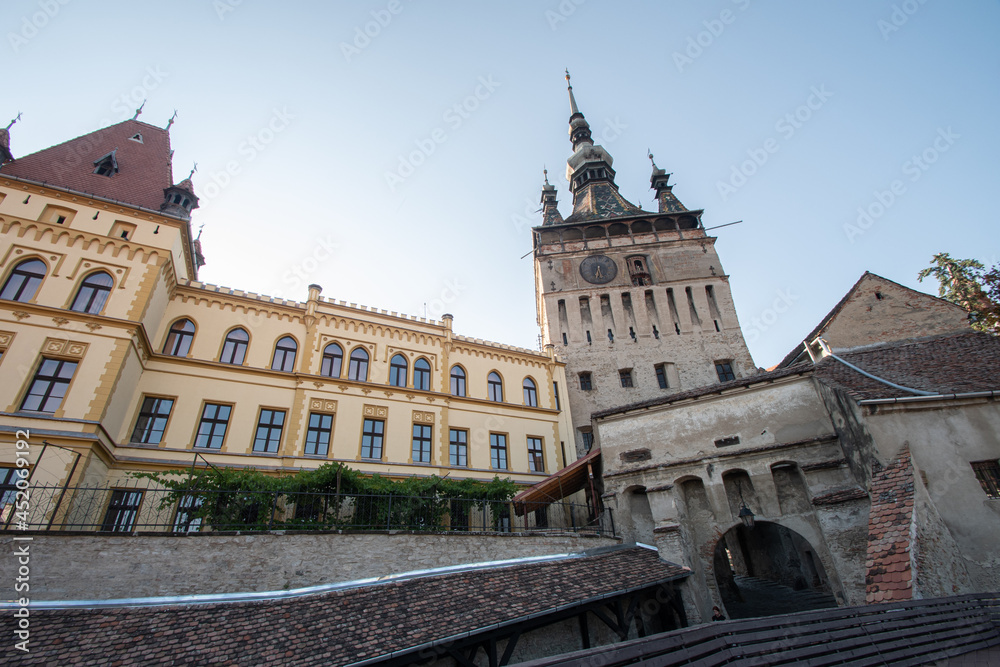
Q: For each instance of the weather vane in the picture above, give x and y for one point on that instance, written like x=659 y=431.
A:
x=171 y=121
x=139 y=110
x=13 y=121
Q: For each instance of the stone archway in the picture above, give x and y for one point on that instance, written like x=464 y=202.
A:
x=768 y=570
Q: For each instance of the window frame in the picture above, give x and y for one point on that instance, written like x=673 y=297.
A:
x=458 y=449
x=498 y=451
x=724 y=370
x=235 y=347
x=372 y=435
x=530 y=392
x=153 y=417
x=494 y=388
x=425 y=442
x=121 y=518
x=100 y=293
x=52 y=381
x=271 y=443
x=291 y=347
x=215 y=420
x=422 y=376
x=536 y=455
x=27 y=277
x=354 y=365
x=661 y=376
x=988 y=475
x=458 y=382
x=331 y=358
x=586 y=381
x=398 y=371
x=318 y=430
x=625 y=378
x=179 y=340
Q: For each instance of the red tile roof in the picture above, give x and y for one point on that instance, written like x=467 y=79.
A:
x=889 y=573
x=338 y=627
x=144 y=168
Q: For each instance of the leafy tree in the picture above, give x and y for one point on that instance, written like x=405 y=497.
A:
x=967 y=283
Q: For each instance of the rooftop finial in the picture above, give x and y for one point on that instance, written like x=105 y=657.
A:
x=139 y=110
x=11 y=123
x=171 y=121
x=572 y=100
x=193 y=169
x=649 y=154
x=546 y=173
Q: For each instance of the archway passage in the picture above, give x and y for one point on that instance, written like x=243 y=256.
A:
x=768 y=570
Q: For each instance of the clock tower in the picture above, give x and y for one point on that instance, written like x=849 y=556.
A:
x=635 y=302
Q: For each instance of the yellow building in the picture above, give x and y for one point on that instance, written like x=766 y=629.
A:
x=114 y=353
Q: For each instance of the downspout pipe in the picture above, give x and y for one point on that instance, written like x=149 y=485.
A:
x=918 y=392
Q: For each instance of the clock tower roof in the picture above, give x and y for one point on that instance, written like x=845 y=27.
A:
x=589 y=172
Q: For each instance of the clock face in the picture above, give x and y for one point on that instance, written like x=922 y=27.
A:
x=598 y=269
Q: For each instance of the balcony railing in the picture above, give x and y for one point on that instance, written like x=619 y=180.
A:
x=136 y=509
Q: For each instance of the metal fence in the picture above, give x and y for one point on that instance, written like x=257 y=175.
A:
x=146 y=509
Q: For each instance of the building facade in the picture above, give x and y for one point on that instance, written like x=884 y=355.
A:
x=116 y=355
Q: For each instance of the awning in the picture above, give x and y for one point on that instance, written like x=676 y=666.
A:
x=557 y=486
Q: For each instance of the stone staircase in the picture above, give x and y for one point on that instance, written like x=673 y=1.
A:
x=767 y=598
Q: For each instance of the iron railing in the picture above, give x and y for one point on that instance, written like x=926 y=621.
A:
x=136 y=508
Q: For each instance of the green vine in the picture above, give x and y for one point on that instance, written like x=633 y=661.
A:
x=333 y=496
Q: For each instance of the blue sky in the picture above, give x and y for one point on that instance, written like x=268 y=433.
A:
x=392 y=151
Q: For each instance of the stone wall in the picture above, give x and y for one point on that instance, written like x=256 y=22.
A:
x=87 y=567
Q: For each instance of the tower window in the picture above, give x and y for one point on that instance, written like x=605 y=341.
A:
x=661 y=376
x=625 y=376
x=724 y=369
x=586 y=381
x=638 y=271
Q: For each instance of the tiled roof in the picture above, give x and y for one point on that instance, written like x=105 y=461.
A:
x=598 y=201
x=949 y=364
x=889 y=574
x=333 y=628
x=839 y=496
x=144 y=168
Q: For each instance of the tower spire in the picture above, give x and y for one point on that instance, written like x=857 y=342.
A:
x=579 y=128
x=550 y=206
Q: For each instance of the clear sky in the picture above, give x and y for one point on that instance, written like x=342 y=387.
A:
x=392 y=150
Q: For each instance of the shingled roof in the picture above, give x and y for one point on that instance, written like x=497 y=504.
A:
x=339 y=627
x=949 y=364
x=141 y=151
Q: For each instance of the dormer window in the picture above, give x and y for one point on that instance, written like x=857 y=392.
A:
x=136 y=137
x=107 y=165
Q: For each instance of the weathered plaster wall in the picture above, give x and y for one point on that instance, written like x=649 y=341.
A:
x=74 y=567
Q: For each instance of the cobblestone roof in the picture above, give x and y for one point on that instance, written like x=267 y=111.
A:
x=331 y=628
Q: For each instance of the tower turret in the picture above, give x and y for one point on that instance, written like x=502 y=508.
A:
x=550 y=205
x=659 y=181
x=180 y=199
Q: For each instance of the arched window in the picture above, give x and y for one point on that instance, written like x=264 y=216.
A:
x=457 y=381
x=530 y=393
x=93 y=293
x=397 y=371
x=284 y=355
x=179 y=338
x=494 y=387
x=333 y=357
x=234 y=350
x=24 y=280
x=357 y=368
x=422 y=374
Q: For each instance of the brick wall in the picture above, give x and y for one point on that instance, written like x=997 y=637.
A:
x=77 y=567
